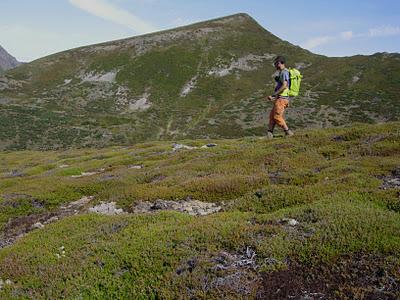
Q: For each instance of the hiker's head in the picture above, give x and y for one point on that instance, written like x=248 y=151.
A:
x=279 y=62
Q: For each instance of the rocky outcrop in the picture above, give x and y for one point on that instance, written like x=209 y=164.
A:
x=7 y=61
x=189 y=206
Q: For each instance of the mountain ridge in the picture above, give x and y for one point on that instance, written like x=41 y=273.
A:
x=199 y=23
x=204 y=80
x=232 y=17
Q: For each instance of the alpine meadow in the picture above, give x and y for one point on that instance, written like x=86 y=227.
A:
x=139 y=169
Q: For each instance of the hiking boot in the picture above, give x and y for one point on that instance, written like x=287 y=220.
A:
x=288 y=133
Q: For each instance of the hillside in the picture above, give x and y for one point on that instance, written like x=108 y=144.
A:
x=7 y=61
x=206 y=80
x=315 y=216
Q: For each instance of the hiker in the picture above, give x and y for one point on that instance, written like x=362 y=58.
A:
x=280 y=97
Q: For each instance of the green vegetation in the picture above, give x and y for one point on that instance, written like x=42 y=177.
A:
x=107 y=116
x=87 y=96
x=331 y=181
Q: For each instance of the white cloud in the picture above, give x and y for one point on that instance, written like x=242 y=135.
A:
x=347 y=35
x=318 y=41
x=110 y=12
x=384 y=31
x=322 y=40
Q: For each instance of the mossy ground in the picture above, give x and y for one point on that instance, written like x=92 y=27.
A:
x=328 y=180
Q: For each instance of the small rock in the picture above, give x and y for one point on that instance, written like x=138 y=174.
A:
x=159 y=205
x=106 y=209
x=259 y=194
x=291 y=222
x=391 y=181
x=37 y=225
x=37 y=204
x=338 y=138
x=271 y=261
x=135 y=167
x=209 y=146
x=176 y=147
x=6 y=282
x=84 y=174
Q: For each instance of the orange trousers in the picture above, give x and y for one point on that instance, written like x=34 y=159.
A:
x=276 y=114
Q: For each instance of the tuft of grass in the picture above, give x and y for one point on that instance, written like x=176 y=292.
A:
x=70 y=171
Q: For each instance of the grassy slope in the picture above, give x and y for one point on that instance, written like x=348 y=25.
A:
x=46 y=114
x=329 y=180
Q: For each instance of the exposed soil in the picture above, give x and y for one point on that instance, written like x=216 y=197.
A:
x=349 y=277
x=19 y=226
x=221 y=275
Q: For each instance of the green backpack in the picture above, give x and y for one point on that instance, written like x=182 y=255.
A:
x=295 y=80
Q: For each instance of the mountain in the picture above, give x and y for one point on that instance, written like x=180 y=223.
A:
x=7 y=61
x=315 y=216
x=206 y=80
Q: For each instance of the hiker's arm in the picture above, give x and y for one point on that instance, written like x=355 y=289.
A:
x=281 y=89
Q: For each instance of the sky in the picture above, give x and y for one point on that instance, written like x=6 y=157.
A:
x=30 y=29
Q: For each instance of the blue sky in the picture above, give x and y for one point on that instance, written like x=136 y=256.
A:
x=30 y=29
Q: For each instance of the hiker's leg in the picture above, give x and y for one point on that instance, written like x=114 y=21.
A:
x=272 y=123
x=279 y=110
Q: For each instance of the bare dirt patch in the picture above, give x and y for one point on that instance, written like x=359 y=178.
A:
x=20 y=226
x=355 y=276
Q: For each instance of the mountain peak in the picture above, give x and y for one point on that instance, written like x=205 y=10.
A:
x=238 y=16
x=234 y=19
x=7 y=61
